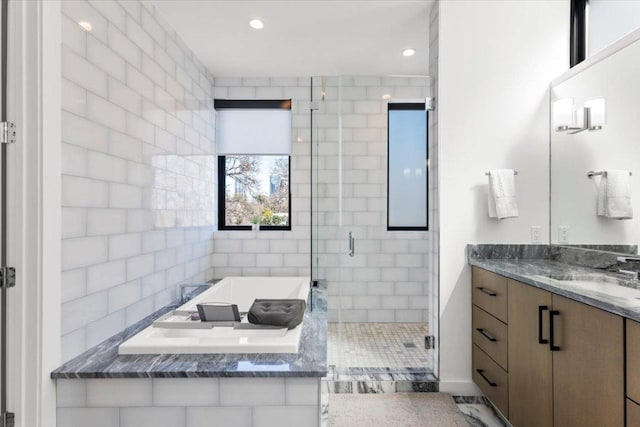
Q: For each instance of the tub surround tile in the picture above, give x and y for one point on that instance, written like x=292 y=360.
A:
x=103 y=361
x=137 y=155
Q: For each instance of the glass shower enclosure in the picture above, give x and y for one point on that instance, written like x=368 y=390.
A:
x=380 y=279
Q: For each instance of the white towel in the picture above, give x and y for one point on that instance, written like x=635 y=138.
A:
x=614 y=195
x=502 y=194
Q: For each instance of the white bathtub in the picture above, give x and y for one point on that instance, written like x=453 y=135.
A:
x=234 y=290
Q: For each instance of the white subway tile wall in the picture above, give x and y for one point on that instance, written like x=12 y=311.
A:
x=390 y=277
x=189 y=402
x=138 y=184
x=391 y=269
x=272 y=253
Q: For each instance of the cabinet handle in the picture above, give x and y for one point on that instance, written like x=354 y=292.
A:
x=552 y=345
x=487 y=291
x=491 y=383
x=541 y=340
x=486 y=335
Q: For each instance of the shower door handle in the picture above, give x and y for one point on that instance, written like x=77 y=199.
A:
x=352 y=244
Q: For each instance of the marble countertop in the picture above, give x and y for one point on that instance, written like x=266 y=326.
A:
x=103 y=361
x=587 y=285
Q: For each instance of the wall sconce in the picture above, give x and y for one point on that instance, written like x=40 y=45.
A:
x=597 y=109
x=590 y=117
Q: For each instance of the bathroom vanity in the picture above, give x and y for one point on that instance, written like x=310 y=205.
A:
x=235 y=389
x=553 y=342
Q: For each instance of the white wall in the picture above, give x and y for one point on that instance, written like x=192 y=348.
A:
x=138 y=178
x=610 y=20
x=496 y=60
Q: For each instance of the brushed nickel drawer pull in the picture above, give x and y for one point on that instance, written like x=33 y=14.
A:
x=491 y=383
x=486 y=335
x=487 y=291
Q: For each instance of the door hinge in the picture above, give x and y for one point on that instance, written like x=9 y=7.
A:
x=7 y=133
x=8 y=419
x=429 y=342
x=430 y=104
x=7 y=277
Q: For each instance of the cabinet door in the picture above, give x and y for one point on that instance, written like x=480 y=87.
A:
x=530 y=376
x=588 y=367
x=633 y=360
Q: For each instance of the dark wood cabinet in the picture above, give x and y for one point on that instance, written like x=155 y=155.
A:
x=588 y=367
x=565 y=360
x=530 y=361
x=490 y=341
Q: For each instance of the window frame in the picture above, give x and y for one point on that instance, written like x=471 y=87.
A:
x=416 y=106
x=579 y=32
x=222 y=199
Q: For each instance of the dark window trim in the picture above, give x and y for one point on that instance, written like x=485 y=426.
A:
x=247 y=104
x=420 y=106
x=222 y=190
x=579 y=31
x=406 y=106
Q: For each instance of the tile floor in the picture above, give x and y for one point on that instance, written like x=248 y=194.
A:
x=378 y=345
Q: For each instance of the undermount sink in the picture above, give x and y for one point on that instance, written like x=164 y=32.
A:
x=580 y=277
x=598 y=286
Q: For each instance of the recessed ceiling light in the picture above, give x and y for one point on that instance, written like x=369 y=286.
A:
x=256 y=23
x=386 y=96
x=86 y=25
x=409 y=52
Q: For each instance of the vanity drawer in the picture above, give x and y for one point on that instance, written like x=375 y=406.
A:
x=633 y=413
x=489 y=292
x=490 y=335
x=492 y=380
x=633 y=360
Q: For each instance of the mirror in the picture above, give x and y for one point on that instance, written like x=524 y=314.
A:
x=609 y=87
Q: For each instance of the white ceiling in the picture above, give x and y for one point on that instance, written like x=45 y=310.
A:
x=303 y=37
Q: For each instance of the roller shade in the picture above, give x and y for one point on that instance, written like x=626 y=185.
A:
x=246 y=127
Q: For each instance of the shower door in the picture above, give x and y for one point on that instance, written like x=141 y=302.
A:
x=379 y=280
x=6 y=274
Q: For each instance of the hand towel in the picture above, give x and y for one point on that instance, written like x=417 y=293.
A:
x=502 y=194
x=618 y=195
x=601 y=200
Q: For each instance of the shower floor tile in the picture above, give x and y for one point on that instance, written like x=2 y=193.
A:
x=378 y=345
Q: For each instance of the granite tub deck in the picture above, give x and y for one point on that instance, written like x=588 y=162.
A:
x=566 y=280
x=190 y=390
x=103 y=361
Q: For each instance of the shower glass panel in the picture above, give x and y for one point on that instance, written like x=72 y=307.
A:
x=380 y=282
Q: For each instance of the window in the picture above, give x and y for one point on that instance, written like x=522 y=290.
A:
x=254 y=190
x=254 y=145
x=407 y=168
x=579 y=31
